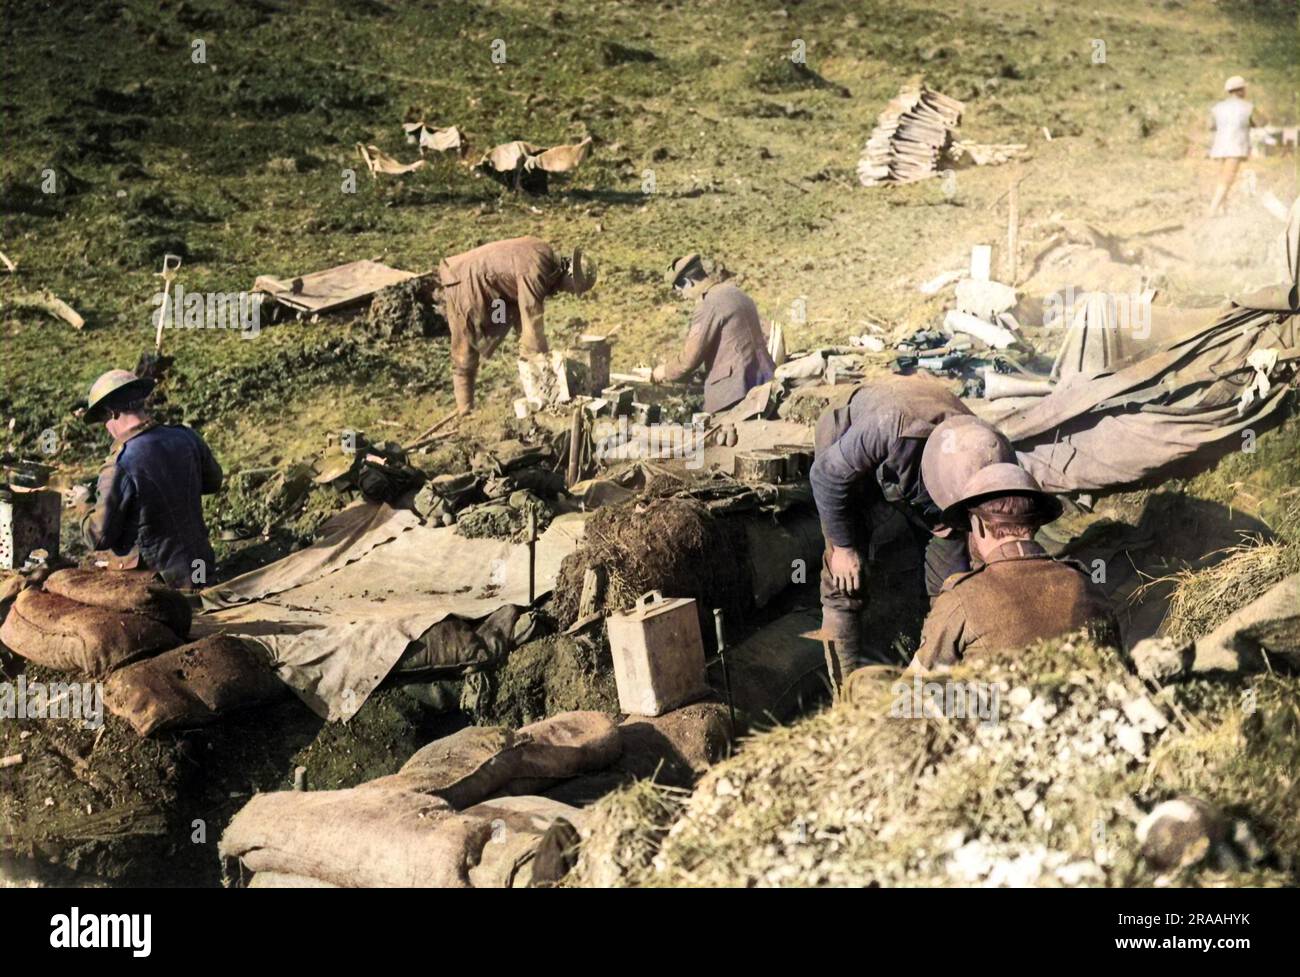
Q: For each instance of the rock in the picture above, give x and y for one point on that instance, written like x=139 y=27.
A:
x=1180 y=833
x=1037 y=713
x=1081 y=872
x=1130 y=740
x=1145 y=715
x=1020 y=697
x=1161 y=659
x=970 y=862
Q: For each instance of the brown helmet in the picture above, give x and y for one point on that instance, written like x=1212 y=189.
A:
x=580 y=274
x=1006 y=478
x=117 y=385
x=956 y=449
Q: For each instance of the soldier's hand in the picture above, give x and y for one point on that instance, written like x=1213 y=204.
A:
x=846 y=569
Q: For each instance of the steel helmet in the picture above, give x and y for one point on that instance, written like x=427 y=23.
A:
x=120 y=383
x=956 y=449
x=1006 y=478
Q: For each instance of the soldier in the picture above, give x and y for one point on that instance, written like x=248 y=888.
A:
x=1017 y=593
x=725 y=337
x=875 y=449
x=499 y=287
x=148 y=511
x=1230 y=120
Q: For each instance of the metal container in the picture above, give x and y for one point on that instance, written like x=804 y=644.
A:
x=658 y=655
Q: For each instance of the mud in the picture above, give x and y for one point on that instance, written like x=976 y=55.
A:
x=102 y=806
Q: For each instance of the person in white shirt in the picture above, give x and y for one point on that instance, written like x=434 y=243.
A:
x=1230 y=121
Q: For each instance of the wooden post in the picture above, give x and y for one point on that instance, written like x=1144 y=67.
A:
x=593 y=589
x=532 y=555
x=1013 y=233
x=575 y=448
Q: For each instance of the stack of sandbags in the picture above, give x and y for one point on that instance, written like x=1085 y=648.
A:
x=910 y=137
x=450 y=817
x=93 y=621
x=192 y=685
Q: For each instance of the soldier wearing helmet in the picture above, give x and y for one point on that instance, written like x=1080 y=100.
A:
x=873 y=450
x=725 y=338
x=148 y=511
x=1016 y=594
x=499 y=287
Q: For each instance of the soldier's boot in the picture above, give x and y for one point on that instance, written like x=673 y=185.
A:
x=842 y=641
x=462 y=384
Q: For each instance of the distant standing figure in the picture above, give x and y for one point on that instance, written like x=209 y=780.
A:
x=1230 y=120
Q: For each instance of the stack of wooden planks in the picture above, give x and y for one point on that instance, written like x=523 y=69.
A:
x=910 y=136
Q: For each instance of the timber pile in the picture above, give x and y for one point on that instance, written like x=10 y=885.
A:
x=910 y=135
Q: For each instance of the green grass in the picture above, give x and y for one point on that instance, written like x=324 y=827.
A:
x=750 y=162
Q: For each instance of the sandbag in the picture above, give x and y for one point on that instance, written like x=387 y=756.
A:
x=128 y=591
x=518 y=827
x=777 y=671
x=481 y=761
x=365 y=837
x=678 y=746
x=192 y=685
x=63 y=634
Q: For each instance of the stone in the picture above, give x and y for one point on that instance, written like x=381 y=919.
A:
x=1130 y=740
x=1161 y=660
x=984 y=299
x=1144 y=714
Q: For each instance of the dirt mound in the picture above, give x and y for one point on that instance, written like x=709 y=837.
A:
x=103 y=805
x=1047 y=793
x=402 y=310
x=544 y=677
x=672 y=545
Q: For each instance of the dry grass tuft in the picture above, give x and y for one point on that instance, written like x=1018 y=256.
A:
x=1203 y=599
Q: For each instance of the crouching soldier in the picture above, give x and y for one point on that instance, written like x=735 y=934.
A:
x=148 y=512
x=725 y=338
x=1017 y=593
x=869 y=451
x=498 y=288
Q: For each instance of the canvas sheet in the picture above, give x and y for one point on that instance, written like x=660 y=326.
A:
x=338 y=627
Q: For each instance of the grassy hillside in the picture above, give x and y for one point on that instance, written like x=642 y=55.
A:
x=239 y=163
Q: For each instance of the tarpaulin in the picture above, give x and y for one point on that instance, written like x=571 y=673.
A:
x=337 y=616
x=1170 y=414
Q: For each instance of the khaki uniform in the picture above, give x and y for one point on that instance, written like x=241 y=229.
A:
x=1019 y=596
x=491 y=291
x=726 y=338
